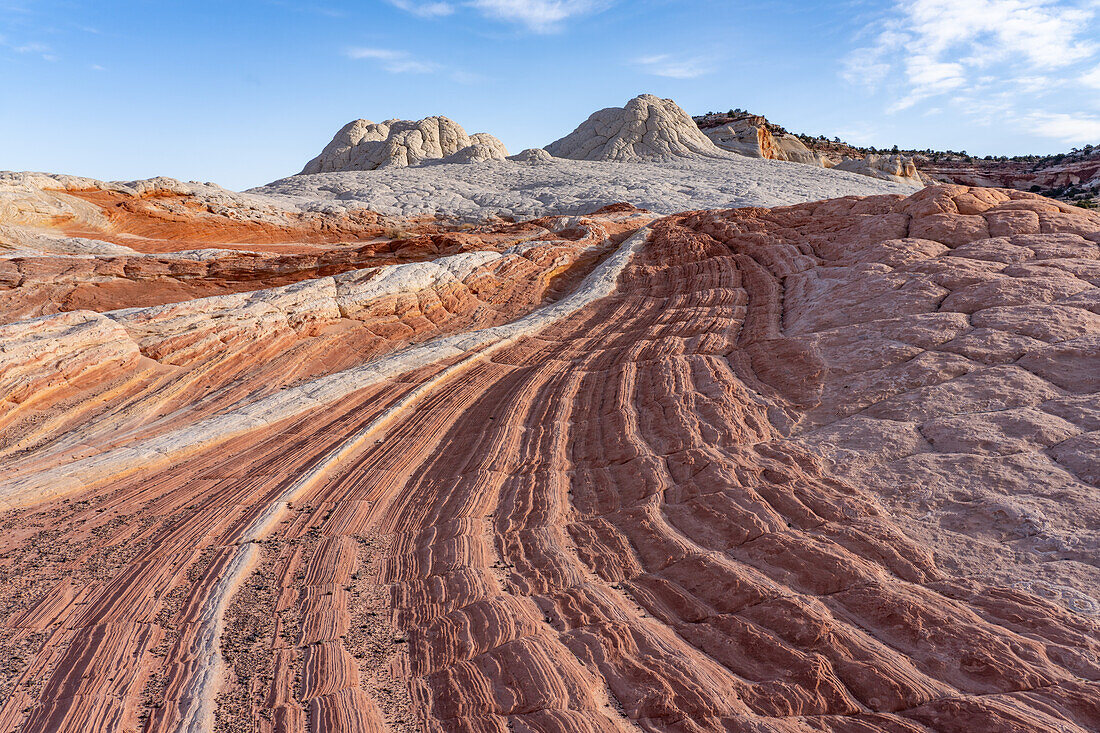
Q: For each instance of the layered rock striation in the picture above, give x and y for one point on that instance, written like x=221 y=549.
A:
x=752 y=136
x=1071 y=177
x=823 y=467
x=755 y=137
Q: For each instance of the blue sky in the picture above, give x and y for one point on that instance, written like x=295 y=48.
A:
x=241 y=92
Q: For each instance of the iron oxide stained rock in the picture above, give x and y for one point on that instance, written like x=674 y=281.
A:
x=822 y=467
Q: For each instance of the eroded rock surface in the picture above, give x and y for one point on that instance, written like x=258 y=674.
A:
x=753 y=136
x=894 y=168
x=750 y=135
x=825 y=467
x=541 y=185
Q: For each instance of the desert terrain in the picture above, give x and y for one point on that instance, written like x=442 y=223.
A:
x=655 y=428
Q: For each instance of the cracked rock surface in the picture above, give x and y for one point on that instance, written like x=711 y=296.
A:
x=362 y=145
x=536 y=185
x=647 y=128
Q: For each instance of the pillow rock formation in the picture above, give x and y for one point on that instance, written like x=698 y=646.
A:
x=646 y=129
x=650 y=154
x=363 y=145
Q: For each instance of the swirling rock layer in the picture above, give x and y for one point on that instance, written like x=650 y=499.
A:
x=829 y=467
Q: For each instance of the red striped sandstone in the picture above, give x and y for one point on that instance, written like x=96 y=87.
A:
x=824 y=467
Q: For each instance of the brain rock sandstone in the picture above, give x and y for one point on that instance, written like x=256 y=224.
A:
x=647 y=128
x=363 y=145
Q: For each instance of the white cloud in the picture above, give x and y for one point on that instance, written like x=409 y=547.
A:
x=996 y=63
x=673 y=67
x=31 y=48
x=1070 y=129
x=35 y=49
x=928 y=48
x=541 y=16
x=1092 y=78
x=424 y=10
x=867 y=66
x=1045 y=34
x=403 y=62
x=929 y=77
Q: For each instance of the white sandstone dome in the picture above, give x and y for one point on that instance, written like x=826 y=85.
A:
x=363 y=145
x=646 y=129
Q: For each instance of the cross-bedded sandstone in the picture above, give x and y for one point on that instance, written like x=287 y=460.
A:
x=827 y=467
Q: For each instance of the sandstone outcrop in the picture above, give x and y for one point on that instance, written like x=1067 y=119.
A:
x=362 y=145
x=755 y=137
x=649 y=154
x=1074 y=176
x=895 y=168
x=646 y=129
x=750 y=135
x=70 y=215
x=821 y=467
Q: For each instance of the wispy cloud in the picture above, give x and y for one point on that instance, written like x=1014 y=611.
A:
x=674 y=67
x=926 y=48
x=34 y=49
x=541 y=16
x=1091 y=78
x=991 y=61
x=403 y=62
x=424 y=9
x=395 y=62
x=1071 y=129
